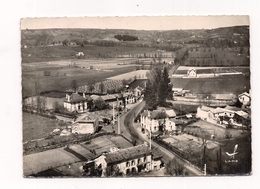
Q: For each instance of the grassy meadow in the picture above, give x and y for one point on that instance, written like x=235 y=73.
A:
x=36 y=127
x=55 y=53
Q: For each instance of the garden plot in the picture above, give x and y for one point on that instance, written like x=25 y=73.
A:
x=185 y=142
x=100 y=145
x=207 y=129
x=42 y=161
x=121 y=142
x=36 y=127
x=80 y=149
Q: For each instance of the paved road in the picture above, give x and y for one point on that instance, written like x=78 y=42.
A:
x=167 y=155
x=128 y=118
x=129 y=128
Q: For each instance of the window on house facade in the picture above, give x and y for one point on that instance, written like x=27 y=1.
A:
x=139 y=161
x=133 y=162
x=144 y=158
x=154 y=128
x=127 y=164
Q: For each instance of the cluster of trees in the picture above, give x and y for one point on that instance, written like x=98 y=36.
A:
x=126 y=38
x=218 y=43
x=158 y=88
x=175 y=167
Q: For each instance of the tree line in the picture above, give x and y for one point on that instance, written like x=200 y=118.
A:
x=126 y=38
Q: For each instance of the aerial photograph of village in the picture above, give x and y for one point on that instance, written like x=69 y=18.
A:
x=136 y=97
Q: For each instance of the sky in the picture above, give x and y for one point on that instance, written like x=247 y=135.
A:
x=136 y=23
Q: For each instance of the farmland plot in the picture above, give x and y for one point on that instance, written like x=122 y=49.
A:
x=36 y=127
x=224 y=84
x=140 y=74
x=62 y=81
x=42 y=161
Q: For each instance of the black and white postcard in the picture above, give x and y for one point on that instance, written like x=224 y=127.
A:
x=154 y=96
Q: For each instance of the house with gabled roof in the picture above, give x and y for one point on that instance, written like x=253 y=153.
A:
x=86 y=124
x=191 y=72
x=244 y=98
x=157 y=120
x=203 y=112
x=230 y=115
x=76 y=102
x=138 y=91
x=130 y=160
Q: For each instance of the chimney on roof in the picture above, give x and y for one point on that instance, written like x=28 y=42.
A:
x=67 y=96
x=84 y=96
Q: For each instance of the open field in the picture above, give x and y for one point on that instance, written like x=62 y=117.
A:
x=35 y=163
x=59 y=81
x=138 y=74
x=186 y=142
x=224 y=84
x=53 y=53
x=36 y=127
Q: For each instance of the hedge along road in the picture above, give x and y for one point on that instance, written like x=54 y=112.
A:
x=130 y=132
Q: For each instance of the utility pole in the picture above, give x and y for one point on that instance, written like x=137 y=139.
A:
x=150 y=138
x=118 y=124
x=220 y=161
x=113 y=115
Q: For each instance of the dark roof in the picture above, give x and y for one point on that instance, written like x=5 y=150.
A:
x=127 y=154
x=244 y=94
x=155 y=114
x=75 y=97
x=90 y=117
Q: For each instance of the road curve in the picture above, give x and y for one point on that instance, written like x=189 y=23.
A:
x=126 y=124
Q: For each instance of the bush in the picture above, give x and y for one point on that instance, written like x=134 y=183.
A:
x=46 y=73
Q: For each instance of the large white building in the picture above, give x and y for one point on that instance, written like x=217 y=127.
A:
x=203 y=112
x=76 y=102
x=157 y=120
x=130 y=160
x=244 y=98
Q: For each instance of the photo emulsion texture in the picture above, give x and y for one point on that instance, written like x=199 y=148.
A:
x=136 y=96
